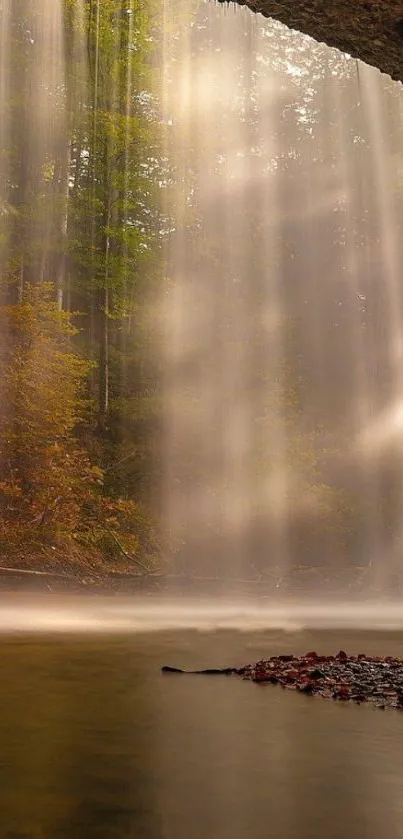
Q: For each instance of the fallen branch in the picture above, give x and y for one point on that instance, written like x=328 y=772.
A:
x=128 y=556
x=17 y=572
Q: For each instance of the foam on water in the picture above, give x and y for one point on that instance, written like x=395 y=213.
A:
x=21 y=614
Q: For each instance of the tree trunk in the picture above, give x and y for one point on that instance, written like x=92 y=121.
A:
x=103 y=361
x=103 y=395
x=60 y=278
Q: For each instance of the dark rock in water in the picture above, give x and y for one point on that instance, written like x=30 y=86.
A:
x=306 y=688
x=317 y=674
x=358 y=697
x=342 y=656
x=342 y=692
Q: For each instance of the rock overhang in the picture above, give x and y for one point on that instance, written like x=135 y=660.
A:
x=370 y=30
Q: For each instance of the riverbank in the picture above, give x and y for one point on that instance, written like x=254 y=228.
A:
x=91 y=572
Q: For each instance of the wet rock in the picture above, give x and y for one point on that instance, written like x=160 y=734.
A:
x=360 y=679
x=307 y=688
x=358 y=697
x=291 y=675
x=317 y=674
x=342 y=656
x=399 y=27
x=368 y=30
x=342 y=692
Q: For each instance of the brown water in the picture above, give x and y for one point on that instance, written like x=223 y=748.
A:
x=96 y=742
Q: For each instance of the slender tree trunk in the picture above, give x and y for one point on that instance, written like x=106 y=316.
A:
x=63 y=232
x=103 y=395
x=104 y=362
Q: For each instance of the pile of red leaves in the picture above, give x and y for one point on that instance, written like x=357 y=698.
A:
x=358 y=678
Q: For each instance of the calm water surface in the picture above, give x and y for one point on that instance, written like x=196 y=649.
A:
x=95 y=742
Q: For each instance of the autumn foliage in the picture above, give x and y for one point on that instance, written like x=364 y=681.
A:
x=49 y=488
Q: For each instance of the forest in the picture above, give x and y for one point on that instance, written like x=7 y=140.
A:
x=80 y=259
x=117 y=201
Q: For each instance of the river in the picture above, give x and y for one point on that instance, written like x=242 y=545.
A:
x=96 y=742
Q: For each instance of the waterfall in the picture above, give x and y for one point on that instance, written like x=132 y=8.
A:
x=282 y=308
x=217 y=197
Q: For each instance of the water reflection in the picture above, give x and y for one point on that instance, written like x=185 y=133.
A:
x=97 y=743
